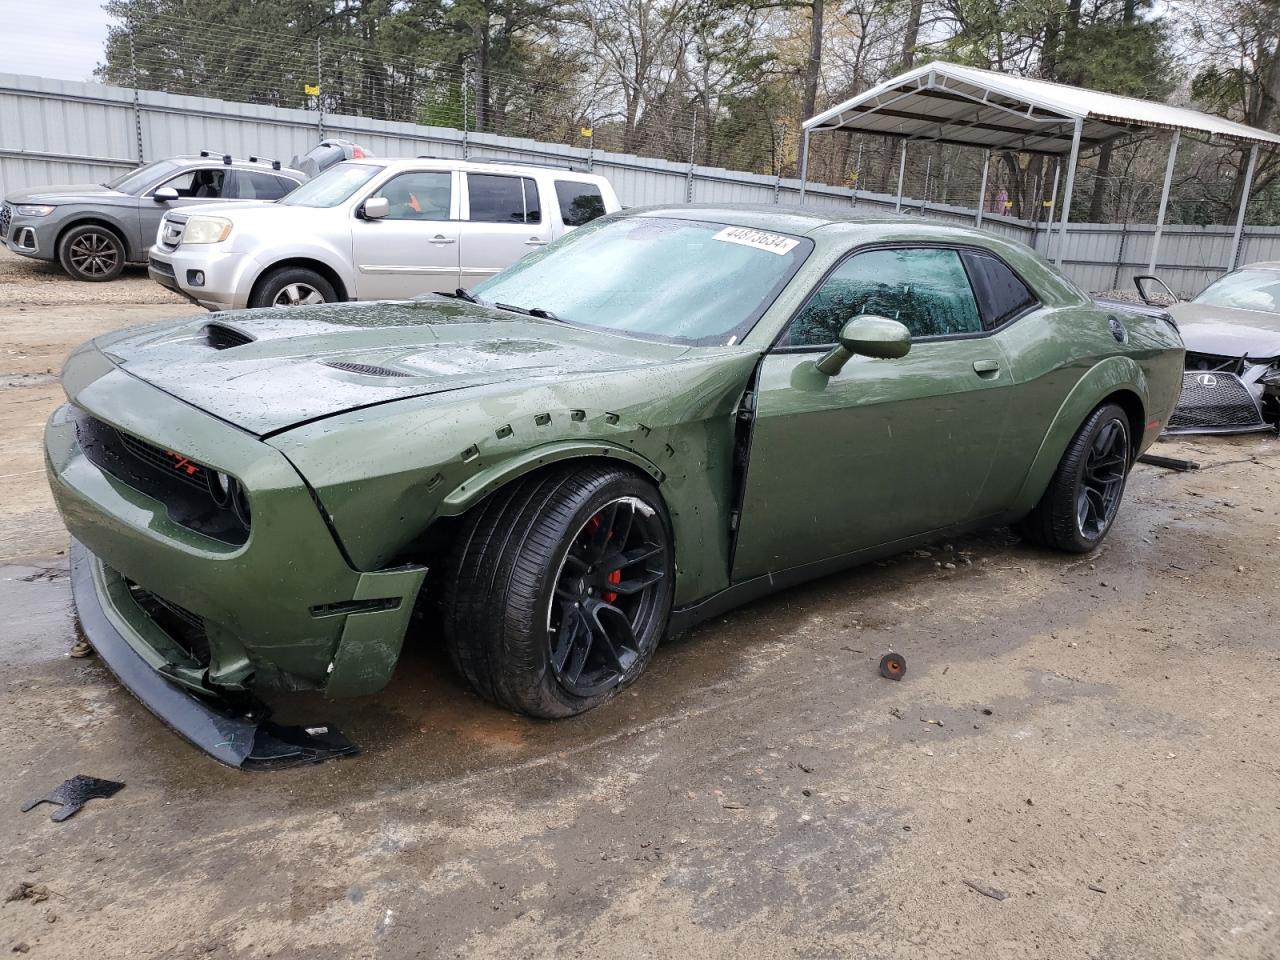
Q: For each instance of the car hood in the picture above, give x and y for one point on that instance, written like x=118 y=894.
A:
x=268 y=370
x=68 y=193
x=1227 y=331
x=221 y=208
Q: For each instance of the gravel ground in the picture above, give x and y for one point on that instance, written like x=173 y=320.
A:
x=1079 y=763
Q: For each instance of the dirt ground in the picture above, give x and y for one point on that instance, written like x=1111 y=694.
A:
x=1094 y=737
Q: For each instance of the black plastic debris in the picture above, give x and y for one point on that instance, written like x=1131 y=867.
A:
x=275 y=745
x=1169 y=463
x=70 y=795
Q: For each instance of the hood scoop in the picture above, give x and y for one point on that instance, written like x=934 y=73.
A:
x=364 y=369
x=221 y=337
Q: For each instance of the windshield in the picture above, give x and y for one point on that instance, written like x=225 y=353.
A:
x=135 y=181
x=332 y=187
x=1245 y=290
x=680 y=280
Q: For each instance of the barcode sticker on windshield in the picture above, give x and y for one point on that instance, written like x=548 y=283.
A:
x=759 y=239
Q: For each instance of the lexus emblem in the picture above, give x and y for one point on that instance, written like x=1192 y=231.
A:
x=1207 y=380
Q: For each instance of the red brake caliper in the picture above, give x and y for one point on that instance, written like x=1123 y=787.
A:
x=608 y=596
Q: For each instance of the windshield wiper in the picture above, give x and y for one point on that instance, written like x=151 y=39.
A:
x=538 y=312
x=463 y=294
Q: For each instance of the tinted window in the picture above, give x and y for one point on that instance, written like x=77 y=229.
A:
x=1001 y=295
x=926 y=289
x=203 y=184
x=252 y=185
x=419 y=196
x=579 y=202
x=500 y=199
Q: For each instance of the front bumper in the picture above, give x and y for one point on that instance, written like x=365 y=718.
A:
x=228 y=276
x=281 y=610
x=29 y=237
x=1217 y=402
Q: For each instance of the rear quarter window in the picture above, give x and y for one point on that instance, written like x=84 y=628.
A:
x=1002 y=296
x=579 y=202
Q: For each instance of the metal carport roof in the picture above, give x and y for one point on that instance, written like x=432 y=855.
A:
x=966 y=106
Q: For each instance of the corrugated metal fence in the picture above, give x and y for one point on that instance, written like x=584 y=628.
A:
x=59 y=131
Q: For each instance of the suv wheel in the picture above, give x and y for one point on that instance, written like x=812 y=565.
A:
x=560 y=588
x=91 y=253
x=292 y=287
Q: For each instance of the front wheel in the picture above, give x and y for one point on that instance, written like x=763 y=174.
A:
x=1083 y=498
x=292 y=287
x=560 y=588
x=91 y=253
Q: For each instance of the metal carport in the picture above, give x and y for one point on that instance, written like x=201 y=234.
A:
x=965 y=106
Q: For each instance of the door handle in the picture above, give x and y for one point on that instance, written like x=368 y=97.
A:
x=441 y=238
x=988 y=369
x=535 y=242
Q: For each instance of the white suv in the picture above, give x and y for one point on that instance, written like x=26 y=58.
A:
x=373 y=230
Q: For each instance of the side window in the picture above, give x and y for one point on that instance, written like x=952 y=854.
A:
x=252 y=185
x=503 y=199
x=579 y=202
x=203 y=184
x=925 y=288
x=425 y=195
x=1001 y=295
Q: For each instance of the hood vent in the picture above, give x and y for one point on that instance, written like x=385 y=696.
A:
x=364 y=369
x=222 y=337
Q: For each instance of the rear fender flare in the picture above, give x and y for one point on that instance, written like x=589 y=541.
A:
x=463 y=497
x=1112 y=375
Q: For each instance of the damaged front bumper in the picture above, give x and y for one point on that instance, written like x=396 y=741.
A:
x=1218 y=401
x=237 y=732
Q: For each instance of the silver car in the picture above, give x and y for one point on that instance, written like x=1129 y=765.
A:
x=94 y=229
x=374 y=230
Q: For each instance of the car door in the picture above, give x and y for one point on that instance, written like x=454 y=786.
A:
x=504 y=221
x=200 y=185
x=414 y=248
x=885 y=449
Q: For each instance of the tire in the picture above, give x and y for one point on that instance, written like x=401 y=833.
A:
x=91 y=253
x=1083 y=497
x=540 y=614
x=292 y=287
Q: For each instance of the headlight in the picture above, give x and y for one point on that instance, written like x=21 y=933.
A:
x=35 y=209
x=206 y=230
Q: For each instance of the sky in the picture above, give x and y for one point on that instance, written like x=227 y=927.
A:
x=53 y=38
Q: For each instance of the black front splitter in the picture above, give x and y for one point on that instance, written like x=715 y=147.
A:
x=238 y=733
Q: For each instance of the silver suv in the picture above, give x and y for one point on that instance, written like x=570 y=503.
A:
x=374 y=230
x=94 y=229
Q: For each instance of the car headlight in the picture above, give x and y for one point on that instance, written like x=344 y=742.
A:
x=35 y=209
x=206 y=230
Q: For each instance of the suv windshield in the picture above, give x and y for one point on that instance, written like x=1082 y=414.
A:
x=332 y=187
x=687 y=281
x=135 y=181
x=1245 y=290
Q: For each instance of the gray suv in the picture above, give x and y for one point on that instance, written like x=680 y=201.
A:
x=94 y=229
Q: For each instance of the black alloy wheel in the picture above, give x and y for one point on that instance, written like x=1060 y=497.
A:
x=1101 y=483
x=607 y=597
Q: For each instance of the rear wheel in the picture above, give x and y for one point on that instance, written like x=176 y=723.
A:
x=1083 y=498
x=292 y=287
x=560 y=588
x=91 y=253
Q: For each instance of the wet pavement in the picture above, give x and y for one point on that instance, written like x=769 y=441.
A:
x=1092 y=736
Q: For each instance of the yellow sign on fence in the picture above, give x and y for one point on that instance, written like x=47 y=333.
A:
x=311 y=89
x=586 y=131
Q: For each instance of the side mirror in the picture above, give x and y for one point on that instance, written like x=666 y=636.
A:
x=164 y=195
x=1154 y=291
x=375 y=208
x=870 y=336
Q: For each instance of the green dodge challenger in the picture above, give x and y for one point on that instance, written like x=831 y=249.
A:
x=660 y=416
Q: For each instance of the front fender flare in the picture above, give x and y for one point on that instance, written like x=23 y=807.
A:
x=480 y=485
x=1113 y=375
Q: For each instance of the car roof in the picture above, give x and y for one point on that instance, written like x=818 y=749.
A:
x=804 y=221
x=477 y=166
x=264 y=166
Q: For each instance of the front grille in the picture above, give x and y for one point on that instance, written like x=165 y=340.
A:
x=184 y=486
x=6 y=217
x=159 y=266
x=183 y=627
x=171 y=232
x=1215 y=402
